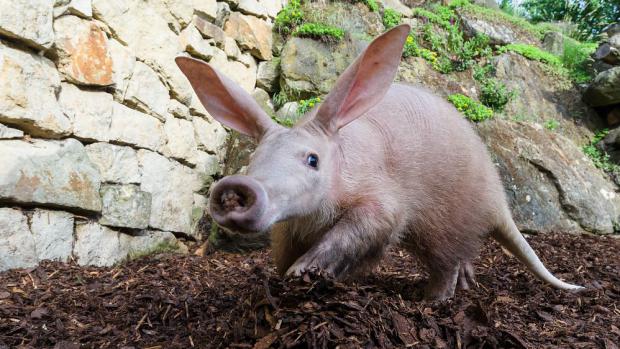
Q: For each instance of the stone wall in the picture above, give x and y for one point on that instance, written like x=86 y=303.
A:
x=103 y=146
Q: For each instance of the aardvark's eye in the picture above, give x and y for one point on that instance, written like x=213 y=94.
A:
x=312 y=160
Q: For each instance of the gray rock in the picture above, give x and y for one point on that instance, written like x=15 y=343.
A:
x=397 y=6
x=151 y=41
x=57 y=173
x=101 y=246
x=223 y=11
x=181 y=141
x=90 y=112
x=238 y=72
x=252 y=7
x=53 y=234
x=251 y=34
x=193 y=43
x=17 y=248
x=611 y=145
x=267 y=75
x=146 y=92
x=171 y=186
x=207 y=164
x=29 y=21
x=554 y=42
x=209 y=30
x=288 y=112
x=210 y=134
x=262 y=98
x=125 y=205
x=540 y=97
x=231 y=49
x=272 y=6
x=123 y=62
x=135 y=128
x=178 y=110
x=551 y=184
x=206 y=8
x=28 y=87
x=81 y=8
x=151 y=242
x=605 y=89
x=98 y=245
x=498 y=33
x=117 y=164
x=310 y=68
x=486 y=3
x=9 y=133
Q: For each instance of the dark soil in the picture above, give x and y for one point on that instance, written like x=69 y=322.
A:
x=237 y=301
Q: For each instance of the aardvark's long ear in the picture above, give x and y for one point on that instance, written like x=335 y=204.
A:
x=365 y=82
x=225 y=100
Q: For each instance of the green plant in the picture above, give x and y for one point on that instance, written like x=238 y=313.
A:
x=495 y=95
x=391 y=18
x=533 y=53
x=599 y=158
x=434 y=18
x=305 y=105
x=576 y=58
x=319 y=31
x=279 y=99
x=551 y=124
x=287 y=122
x=458 y=3
x=289 y=17
x=481 y=72
x=372 y=5
x=472 y=110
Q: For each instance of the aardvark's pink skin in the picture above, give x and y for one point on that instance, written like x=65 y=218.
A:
x=376 y=164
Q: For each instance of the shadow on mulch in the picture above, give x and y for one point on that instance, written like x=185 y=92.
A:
x=237 y=301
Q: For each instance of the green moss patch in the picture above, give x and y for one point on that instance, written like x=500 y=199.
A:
x=472 y=110
x=319 y=31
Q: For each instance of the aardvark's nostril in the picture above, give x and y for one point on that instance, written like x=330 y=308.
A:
x=232 y=201
x=238 y=202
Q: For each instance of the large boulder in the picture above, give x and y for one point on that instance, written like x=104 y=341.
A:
x=310 y=67
x=499 y=31
x=541 y=97
x=29 y=21
x=551 y=184
x=605 y=89
x=53 y=173
x=29 y=84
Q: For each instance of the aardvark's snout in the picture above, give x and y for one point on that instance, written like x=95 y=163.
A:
x=238 y=202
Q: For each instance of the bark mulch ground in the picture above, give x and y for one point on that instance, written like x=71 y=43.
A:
x=237 y=301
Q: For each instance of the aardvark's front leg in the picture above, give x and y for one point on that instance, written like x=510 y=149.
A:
x=354 y=243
